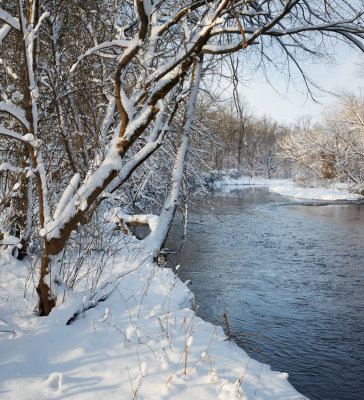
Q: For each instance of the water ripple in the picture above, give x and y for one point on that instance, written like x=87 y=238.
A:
x=290 y=276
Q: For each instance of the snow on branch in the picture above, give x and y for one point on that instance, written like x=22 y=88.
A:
x=334 y=26
x=105 y=45
x=127 y=104
x=208 y=23
x=41 y=19
x=150 y=220
x=9 y=167
x=223 y=49
x=11 y=241
x=354 y=40
x=9 y=19
x=338 y=27
x=67 y=195
x=16 y=112
x=4 y=32
x=186 y=10
x=133 y=163
x=154 y=141
x=6 y=67
x=156 y=238
x=26 y=139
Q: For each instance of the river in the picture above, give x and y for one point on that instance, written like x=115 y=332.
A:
x=290 y=278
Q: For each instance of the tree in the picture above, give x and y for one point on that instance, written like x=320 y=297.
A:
x=99 y=82
x=344 y=147
x=302 y=146
x=335 y=149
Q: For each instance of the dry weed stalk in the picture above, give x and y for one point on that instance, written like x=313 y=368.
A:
x=9 y=328
x=204 y=354
x=170 y=379
x=240 y=380
x=260 y=372
x=212 y=369
x=188 y=331
x=146 y=287
x=136 y=390
x=227 y=326
x=188 y=334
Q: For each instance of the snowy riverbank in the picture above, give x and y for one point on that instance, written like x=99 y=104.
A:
x=142 y=342
x=286 y=187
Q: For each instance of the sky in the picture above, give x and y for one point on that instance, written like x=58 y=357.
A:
x=287 y=106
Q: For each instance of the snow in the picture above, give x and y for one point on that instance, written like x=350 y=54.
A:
x=143 y=341
x=4 y=32
x=160 y=232
x=15 y=111
x=67 y=195
x=9 y=19
x=117 y=215
x=210 y=49
x=27 y=138
x=137 y=122
x=9 y=167
x=331 y=194
x=286 y=187
x=41 y=19
x=79 y=200
x=104 y=45
x=171 y=68
x=10 y=241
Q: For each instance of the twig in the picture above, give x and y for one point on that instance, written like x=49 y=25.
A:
x=227 y=326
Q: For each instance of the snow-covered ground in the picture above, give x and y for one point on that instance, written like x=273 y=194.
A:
x=286 y=187
x=142 y=342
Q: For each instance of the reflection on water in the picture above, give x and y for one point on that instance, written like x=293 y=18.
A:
x=290 y=277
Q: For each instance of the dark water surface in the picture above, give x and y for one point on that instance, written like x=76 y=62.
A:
x=290 y=278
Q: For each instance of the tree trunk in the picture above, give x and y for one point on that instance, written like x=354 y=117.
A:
x=47 y=300
x=156 y=239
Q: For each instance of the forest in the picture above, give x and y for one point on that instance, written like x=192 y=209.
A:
x=109 y=120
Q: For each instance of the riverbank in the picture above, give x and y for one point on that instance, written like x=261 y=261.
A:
x=140 y=341
x=288 y=188
x=143 y=341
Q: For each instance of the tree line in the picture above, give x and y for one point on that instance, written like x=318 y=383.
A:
x=326 y=152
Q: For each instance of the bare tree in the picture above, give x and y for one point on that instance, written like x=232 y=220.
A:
x=335 y=149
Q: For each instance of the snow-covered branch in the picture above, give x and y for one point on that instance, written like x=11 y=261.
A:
x=4 y=32
x=27 y=139
x=14 y=111
x=156 y=238
x=9 y=19
x=105 y=45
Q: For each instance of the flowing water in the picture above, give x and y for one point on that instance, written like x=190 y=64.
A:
x=290 y=277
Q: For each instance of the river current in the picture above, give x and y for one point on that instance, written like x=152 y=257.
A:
x=290 y=277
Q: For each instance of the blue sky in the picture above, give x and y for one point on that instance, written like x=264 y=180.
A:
x=288 y=105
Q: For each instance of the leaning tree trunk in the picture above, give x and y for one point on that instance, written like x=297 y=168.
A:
x=155 y=240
